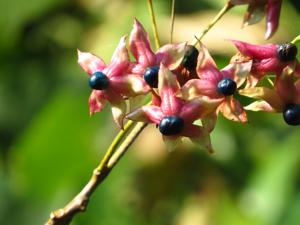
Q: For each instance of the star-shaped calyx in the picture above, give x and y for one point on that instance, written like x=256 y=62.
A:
x=218 y=85
x=257 y=10
x=268 y=59
x=283 y=98
x=113 y=82
x=147 y=61
x=174 y=116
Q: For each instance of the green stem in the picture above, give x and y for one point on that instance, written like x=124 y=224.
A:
x=222 y=12
x=296 y=39
x=126 y=144
x=153 y=21
x=172 y=21
x=117 y=140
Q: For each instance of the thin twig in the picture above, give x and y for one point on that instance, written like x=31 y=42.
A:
x=172 y=20
x=153 y=21
x=222 y=12
x=117 y=140
x=296 y=39
x=126 y=144
x=78 y=204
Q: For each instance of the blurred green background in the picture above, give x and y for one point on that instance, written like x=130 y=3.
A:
x=49 y=145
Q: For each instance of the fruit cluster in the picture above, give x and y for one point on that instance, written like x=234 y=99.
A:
x=188 y=90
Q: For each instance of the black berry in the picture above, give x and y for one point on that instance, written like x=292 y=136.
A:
x=99 y=81
x=151 y=76
x=287 y=52
x=291 y=114
x=227 y=86
x=190 y=57
x=171 y=125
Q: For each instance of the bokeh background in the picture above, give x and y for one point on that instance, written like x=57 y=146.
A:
x=49 y=145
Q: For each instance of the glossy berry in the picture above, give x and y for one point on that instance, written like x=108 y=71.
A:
x=190 y=57
x=151 y=76
x=171 y=125
x=291 y=114
x=227 y=87
x=99 y=81
x=287 y=52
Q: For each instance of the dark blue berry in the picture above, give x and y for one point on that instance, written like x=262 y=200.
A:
x=287 y=52
x=99 y=81
x=227 y=86
x=171 y=125
x=291 y=114
x=190 y=57
x=151 y=76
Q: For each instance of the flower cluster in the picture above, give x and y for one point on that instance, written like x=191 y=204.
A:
x=188 y=90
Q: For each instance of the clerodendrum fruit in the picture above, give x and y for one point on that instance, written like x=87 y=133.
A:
x=287 y=52
x=227 y=87
x=151 y=76
x=190 y=57
x=291 y=114
x=171 y=125
x=99 y=81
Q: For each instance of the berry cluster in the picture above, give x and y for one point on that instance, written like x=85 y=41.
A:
x=187 y=87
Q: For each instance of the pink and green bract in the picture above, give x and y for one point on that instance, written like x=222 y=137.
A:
x=256 y=11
